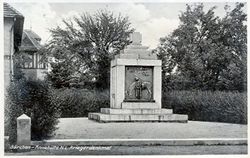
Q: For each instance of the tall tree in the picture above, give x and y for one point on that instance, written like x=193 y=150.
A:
x=235 y=37
x=204 y=47
x=85 y=47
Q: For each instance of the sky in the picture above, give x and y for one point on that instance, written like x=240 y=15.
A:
x=152 y=20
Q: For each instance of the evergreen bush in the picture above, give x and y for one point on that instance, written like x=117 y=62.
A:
x=35 y=99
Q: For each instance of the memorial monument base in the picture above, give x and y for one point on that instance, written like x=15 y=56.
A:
x=137 y=115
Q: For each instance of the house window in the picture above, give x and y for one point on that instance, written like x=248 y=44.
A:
x=40 y=65
x=30 y=62
x=34 y=62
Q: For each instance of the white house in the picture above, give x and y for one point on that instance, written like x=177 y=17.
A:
x=13 y=30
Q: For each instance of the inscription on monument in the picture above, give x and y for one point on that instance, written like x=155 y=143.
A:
x=138 y=83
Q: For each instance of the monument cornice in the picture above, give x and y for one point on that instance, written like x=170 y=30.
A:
x=136 y=62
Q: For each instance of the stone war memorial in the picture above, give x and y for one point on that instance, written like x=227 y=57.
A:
x=135 y=88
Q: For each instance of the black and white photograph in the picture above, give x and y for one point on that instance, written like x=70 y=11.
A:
x=115 y=78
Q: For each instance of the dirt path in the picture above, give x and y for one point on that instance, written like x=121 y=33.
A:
x=73 y=128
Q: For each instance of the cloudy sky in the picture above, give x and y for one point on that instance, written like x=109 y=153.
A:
x=153 y=20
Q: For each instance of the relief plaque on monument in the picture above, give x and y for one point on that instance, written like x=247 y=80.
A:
x=139 y=83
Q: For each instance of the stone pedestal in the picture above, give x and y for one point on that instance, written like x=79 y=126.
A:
x=135 y=88
x=23 y=130
x=6 y=143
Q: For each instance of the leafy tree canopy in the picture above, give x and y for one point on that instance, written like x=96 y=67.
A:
x=83 y=49
x=206 y=52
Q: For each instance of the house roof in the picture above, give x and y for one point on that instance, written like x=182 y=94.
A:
x=9 y=11
x=30 y=41
x=32 y=34
x=18 y=18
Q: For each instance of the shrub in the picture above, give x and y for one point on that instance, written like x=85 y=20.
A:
x=35 y=99
x=79 y=102
x=12 y=108
x=44 y=110
x=215 y=106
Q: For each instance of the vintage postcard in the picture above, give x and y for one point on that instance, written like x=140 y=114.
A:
x=124 y=78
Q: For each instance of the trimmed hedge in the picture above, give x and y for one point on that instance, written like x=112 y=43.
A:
x=215 y=106
x=79 y=102
x=199 y=105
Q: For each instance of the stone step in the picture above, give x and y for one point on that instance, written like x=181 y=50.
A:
x=138 y=117
x=136 y=111
x=140 y=105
